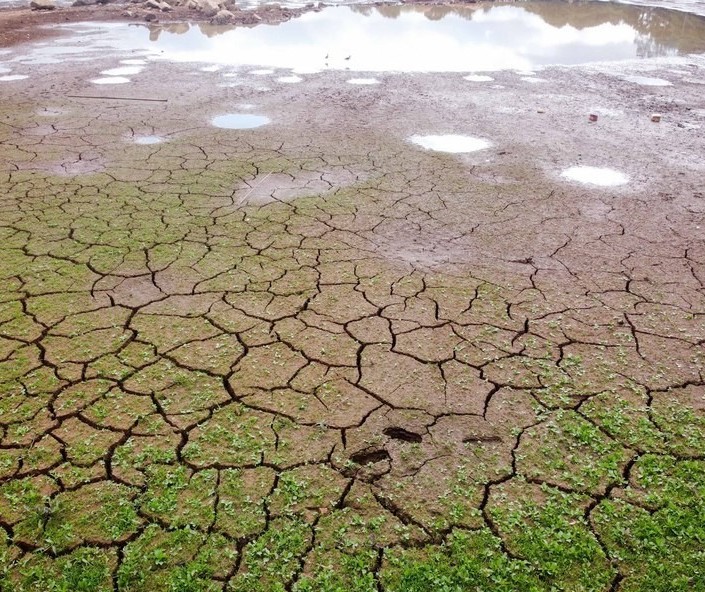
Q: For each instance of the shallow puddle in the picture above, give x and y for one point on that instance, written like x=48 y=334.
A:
x=290 y=79
x=472 y=39
x=111 y=80
x=647 y=81
x=451 y=143
x=147 y=140
x=123 y=71
x=12 y=77
x=478 y=78
x=47 y=112
x=363 y=81
x=601 y=177
x=239 y=121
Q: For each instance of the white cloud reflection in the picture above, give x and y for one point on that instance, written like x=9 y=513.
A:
x=363 y=39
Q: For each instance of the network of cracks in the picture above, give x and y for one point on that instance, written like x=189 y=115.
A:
x=242 y=362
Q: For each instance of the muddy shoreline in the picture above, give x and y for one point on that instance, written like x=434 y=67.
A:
x=22 y=25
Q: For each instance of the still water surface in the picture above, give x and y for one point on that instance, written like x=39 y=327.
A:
x=415 y=38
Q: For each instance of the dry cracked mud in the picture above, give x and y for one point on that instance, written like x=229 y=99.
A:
x=314 y=356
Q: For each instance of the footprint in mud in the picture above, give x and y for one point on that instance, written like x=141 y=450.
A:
x=397 y=433
x=370 y=457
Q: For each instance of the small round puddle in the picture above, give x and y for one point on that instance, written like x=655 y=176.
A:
x=148 y=140
x=451 y=143
x=12 y=77
x=111 y=80
x=606 y=112
x=122 y=71
x=478 y=78
x=363 y=81
x=595 y=176
x=239 y=121
x=290 y=79
x=647 y=81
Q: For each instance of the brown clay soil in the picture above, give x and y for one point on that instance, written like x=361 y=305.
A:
x=315 y=352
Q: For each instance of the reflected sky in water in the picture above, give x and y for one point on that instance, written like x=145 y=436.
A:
x=476 y=38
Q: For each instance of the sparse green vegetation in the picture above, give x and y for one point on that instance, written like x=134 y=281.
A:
x=261 y=364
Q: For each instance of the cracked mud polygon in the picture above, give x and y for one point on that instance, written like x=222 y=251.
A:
x=315 y=356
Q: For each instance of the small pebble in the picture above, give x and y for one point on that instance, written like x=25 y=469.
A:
x=656 y=117
x=593 y=117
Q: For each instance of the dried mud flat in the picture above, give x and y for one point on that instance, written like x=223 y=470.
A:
x=315 y=356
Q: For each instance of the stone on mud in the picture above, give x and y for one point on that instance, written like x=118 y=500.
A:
x=208 y=7
x=42 y=5
x=222 y=18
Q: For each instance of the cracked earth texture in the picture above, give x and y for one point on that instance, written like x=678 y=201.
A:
x=313 y=356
